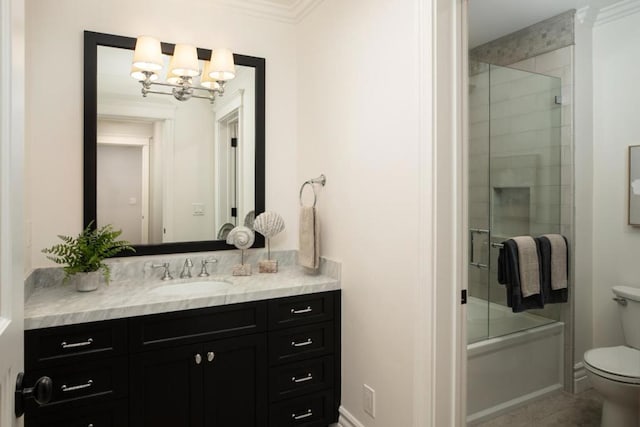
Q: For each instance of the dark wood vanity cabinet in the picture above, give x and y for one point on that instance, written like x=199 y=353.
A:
x=217 y=383
x=272 y=363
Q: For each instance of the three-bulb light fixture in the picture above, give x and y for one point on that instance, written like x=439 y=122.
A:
x=183 y=67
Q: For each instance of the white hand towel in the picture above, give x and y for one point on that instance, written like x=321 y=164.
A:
x=529 y=265
x=558 y=261
x=309 y=251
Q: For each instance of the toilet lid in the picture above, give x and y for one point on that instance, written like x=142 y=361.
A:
x=619 y=363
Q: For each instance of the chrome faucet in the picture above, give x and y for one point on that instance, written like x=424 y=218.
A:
x=167 y=273
x=186 y=269
x=203 y=270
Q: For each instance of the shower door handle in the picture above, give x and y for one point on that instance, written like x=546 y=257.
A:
x=472 y=260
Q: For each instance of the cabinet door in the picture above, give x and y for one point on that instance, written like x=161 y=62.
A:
x=235 y=382
x=111 y=414
x=166 y=387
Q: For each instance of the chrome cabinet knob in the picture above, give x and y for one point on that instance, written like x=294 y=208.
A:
x=198 y=358
x=210 y=356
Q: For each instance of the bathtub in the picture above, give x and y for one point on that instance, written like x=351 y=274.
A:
x=521 y=363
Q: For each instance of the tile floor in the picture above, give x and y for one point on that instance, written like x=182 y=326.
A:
x=559 y=410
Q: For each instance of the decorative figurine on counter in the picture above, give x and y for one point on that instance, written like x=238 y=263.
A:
x=242 y=238
x=268 y=224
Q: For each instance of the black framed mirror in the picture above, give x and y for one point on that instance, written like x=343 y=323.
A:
x=162 y=211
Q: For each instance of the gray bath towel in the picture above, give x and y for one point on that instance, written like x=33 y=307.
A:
x=558 y=261
x=309 y=250
x=529 y=265
x=508 y=275
x=550 y=295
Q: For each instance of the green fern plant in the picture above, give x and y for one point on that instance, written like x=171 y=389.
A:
x=85 y=253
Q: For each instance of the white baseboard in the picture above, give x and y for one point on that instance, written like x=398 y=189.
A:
x=348 y=420
x=580 y=380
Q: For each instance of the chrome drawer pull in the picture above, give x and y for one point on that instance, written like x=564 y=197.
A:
x=66 y=389
x=302 y=344
x=210 y=356
x=198 y=359
x=303 y=416
x=77 y=344
x=303 y=311
x=309 y=377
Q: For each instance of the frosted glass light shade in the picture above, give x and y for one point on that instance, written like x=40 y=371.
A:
x=206 y=80
x=222 y=66
x=184 y=61
x=138 y=74
x=148 y=54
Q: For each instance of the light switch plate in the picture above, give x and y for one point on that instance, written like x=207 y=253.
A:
x=198 y=209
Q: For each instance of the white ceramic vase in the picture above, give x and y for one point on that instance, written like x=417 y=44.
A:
x=86 y=282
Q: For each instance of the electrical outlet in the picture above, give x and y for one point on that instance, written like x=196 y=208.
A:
x=369 y=400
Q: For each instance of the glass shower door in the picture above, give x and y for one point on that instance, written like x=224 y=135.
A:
x=479 y=219
x=524 y=177
x=514 y=183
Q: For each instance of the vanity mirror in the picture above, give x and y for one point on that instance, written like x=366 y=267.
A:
x=174 y=175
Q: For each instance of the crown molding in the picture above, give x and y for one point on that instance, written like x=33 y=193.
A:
x=292 y=11
x=617 y=11
x=586 y=15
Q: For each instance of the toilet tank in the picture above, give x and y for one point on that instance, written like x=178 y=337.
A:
x=629 y=313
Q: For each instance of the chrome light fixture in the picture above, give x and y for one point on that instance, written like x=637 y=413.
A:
x=183 y=67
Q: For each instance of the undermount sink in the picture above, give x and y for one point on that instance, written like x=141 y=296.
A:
x=187 y=288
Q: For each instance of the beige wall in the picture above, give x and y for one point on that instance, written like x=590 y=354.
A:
x=359 y=125
x=54 y=115
x=354 y=115
x=616 y=245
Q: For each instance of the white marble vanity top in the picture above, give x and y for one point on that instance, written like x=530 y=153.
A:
x=60 y=304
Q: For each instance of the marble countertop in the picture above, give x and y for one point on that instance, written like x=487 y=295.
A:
x=60 y=304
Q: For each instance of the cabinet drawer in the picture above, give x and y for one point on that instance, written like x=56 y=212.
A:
x=300 y=310
x=82 y=383
x=185 y=327
x=301 y=343
x=314 y=410
x=73 y=343
x=112 y=414
x=295 y=379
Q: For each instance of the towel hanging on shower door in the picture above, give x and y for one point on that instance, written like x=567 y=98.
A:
x=509 y=275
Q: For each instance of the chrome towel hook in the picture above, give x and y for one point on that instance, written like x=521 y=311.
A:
x=322 y=180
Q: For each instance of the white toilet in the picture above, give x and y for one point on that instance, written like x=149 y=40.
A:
x=615 y=371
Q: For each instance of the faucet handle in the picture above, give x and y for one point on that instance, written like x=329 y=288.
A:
x=167 y=273
x=203 y=270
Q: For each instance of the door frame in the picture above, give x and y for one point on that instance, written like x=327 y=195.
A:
x=164 y=114
x=231 y=110
x=143 y=143
x=443 y=238
x=12 y=243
